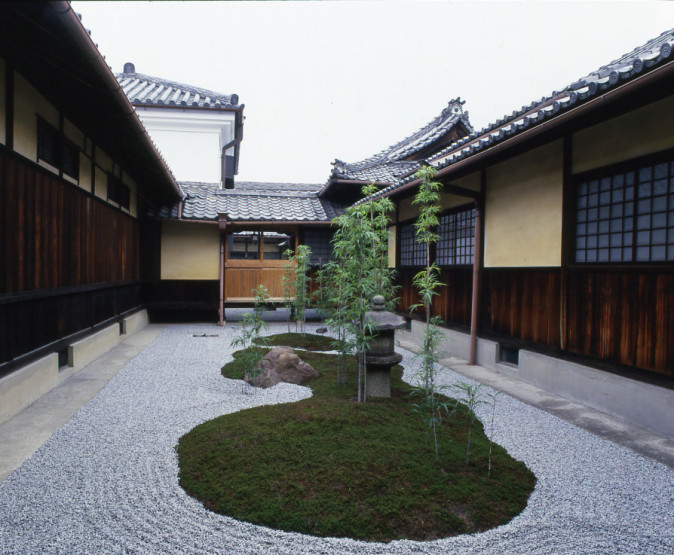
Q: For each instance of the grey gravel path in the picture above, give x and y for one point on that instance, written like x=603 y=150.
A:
x=106 y=482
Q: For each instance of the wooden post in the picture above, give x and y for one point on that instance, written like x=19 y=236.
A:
x=477 y=268
x=222 y=225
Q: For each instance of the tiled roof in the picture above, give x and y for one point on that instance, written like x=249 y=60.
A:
x=651 y=55
x=144 y=90
x=376 y=171
x=390 y=164
x=243 y=187
x=274 y=202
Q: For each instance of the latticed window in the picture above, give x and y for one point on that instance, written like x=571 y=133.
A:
x=320 y=242
x=48 y=143
x=412 y=251
x=627 y=216
x=456 y=238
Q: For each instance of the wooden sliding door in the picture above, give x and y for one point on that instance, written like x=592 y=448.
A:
x=256 y=257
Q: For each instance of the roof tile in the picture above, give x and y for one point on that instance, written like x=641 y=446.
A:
x=279 y=202
x=144 y=90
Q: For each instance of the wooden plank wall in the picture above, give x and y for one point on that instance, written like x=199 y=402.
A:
x=522 y=303
x=55 y=235
x=70 y=260
x=31 y=323
x=453 y=302
x=625 y=317
x=621 y=316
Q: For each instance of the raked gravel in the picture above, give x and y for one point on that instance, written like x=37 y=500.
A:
x=107 y=481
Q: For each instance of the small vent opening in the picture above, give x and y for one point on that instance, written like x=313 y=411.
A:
x=63 y=358
x=509 y=355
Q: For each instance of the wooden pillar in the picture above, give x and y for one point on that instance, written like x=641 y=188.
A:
x=477 y=271
x=222 y=225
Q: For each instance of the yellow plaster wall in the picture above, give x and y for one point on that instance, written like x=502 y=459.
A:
x=85 y=172
x=73 y=134
x=133 y=188
x=101 y=184
x=471 y=181
x=3 y=121
x=523 y=211
x=190 y=251
x=103 y=160
x=28 y=103
x=447 y=200
x=392 y=247
x=406 y=211
x=636 y=133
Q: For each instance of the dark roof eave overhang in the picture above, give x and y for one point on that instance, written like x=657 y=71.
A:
x=545 y=126
x=360 y=182
x=234 y=222
x=82 y=39
x=277 y=222
x=237 y=108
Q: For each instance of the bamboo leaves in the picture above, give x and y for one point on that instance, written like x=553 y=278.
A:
x=359 y=272
x=427 y=282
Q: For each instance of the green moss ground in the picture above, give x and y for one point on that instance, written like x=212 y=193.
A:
x=309 y=341
x=329 y=466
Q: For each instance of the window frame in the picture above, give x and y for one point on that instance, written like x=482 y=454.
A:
x=259 y=232
x=417 y=257
x=447 y=255
x=322 y=234
x=118 y=192
x=54 y=148
x=48 y=143
x=636 y=207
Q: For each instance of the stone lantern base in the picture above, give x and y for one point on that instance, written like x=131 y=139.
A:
x=380 y=354
x=378 y=374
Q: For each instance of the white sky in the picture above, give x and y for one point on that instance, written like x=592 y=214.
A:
x=325 y=80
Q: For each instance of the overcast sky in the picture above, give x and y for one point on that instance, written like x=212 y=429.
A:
x=324 y=80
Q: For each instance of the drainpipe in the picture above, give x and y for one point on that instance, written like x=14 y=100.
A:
x=477 y=269
x=238 y=137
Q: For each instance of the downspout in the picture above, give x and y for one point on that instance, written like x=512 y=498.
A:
x=477 y=271
x=238 y=137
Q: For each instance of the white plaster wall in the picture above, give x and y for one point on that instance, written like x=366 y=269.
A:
x=191 y=141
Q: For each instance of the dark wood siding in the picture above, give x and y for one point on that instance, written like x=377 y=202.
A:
x=453 y=301
x=55 y=235
x=69 y=260
x=523 y=304
x=622 y=316
x=617 y=316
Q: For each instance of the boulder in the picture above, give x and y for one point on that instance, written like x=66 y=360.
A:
x=281 y=365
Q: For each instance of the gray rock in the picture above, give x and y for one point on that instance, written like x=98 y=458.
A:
x=281 y=365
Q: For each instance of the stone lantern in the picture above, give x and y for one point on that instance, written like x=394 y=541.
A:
x=380 y=353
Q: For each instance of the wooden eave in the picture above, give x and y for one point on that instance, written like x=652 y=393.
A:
x=47 y=44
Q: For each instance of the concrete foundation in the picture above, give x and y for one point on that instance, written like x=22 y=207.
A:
x=135 y=322
x=91 y=347
x=636 y=402
x=21 y=388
